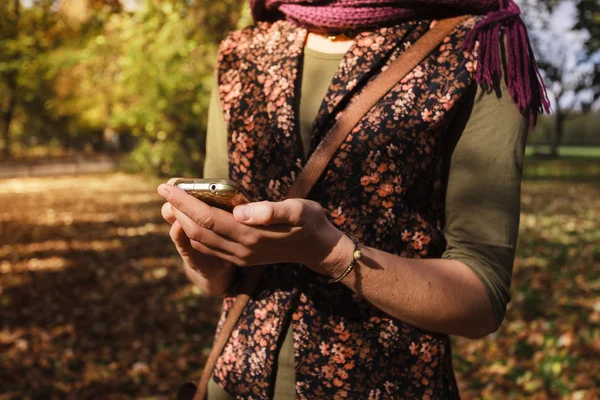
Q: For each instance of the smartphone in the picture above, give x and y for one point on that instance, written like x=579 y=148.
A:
x=219 y=193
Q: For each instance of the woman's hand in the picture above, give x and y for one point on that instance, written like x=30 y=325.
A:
x=213 y=275
x=262 y=233
x=433 y=294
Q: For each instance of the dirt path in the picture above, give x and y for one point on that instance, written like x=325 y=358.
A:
x=55 y=167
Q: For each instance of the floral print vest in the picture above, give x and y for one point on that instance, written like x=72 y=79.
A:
x=385 y=186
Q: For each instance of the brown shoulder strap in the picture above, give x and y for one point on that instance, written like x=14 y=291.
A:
x=316 y=164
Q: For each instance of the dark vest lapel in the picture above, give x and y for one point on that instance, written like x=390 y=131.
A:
x=285 y=69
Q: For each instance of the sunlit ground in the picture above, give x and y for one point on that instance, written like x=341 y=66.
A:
x=93 y=303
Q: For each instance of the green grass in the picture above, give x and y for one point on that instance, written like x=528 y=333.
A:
x=570 y=152
x=573 y=163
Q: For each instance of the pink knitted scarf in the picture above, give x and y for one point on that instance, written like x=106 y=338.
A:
x=525 y=84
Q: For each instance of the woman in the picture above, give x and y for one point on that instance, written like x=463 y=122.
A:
x=427 y=184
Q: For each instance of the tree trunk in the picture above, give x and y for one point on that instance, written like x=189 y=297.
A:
x=8 y=110
x=559 y=128
x=110 y=140
x=10 y=100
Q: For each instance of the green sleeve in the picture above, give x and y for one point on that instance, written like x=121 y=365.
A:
x=216 y=162
x=484 y=191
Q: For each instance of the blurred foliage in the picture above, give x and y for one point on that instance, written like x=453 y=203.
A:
x=29 y=36
x=98 y=77
x=589 y=20
x=149 y=74
x=95 y=305
x=135 y=76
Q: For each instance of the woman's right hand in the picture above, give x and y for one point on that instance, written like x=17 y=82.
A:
x=211 y=274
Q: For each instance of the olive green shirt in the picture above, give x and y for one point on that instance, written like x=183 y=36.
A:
x=487 y=143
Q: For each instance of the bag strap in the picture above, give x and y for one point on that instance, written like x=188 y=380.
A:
x=356 y=110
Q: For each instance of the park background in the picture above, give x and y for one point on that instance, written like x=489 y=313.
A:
x=100 y=100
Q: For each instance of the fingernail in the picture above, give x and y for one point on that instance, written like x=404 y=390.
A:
x=242 y=213
x=163 y=191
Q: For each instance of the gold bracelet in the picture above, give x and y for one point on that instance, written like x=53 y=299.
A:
x=357 y=255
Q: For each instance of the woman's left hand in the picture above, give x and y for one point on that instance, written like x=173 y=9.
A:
x=293 y=230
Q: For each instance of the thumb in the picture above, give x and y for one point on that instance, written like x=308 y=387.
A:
x=289 y=212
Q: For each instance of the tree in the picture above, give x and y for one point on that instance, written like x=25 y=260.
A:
x=73 y=70
x=570 y=73
x=589 y=20
x=10 y=15
x=148 y=72
x=29 y=37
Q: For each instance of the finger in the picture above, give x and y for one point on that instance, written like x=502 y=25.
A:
x=172 y=181
x=181 y=240
x=290 y=212
x=191 y=248
x=206 y=236
x=167 y=213
x=223 y=255
x=201 y=213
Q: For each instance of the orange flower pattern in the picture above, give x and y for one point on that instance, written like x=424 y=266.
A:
x=385 y=185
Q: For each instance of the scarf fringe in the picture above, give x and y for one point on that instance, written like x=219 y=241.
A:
x=524 y=81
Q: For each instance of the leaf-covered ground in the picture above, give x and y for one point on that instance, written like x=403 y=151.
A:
x=549 y=344
x=93 y=304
